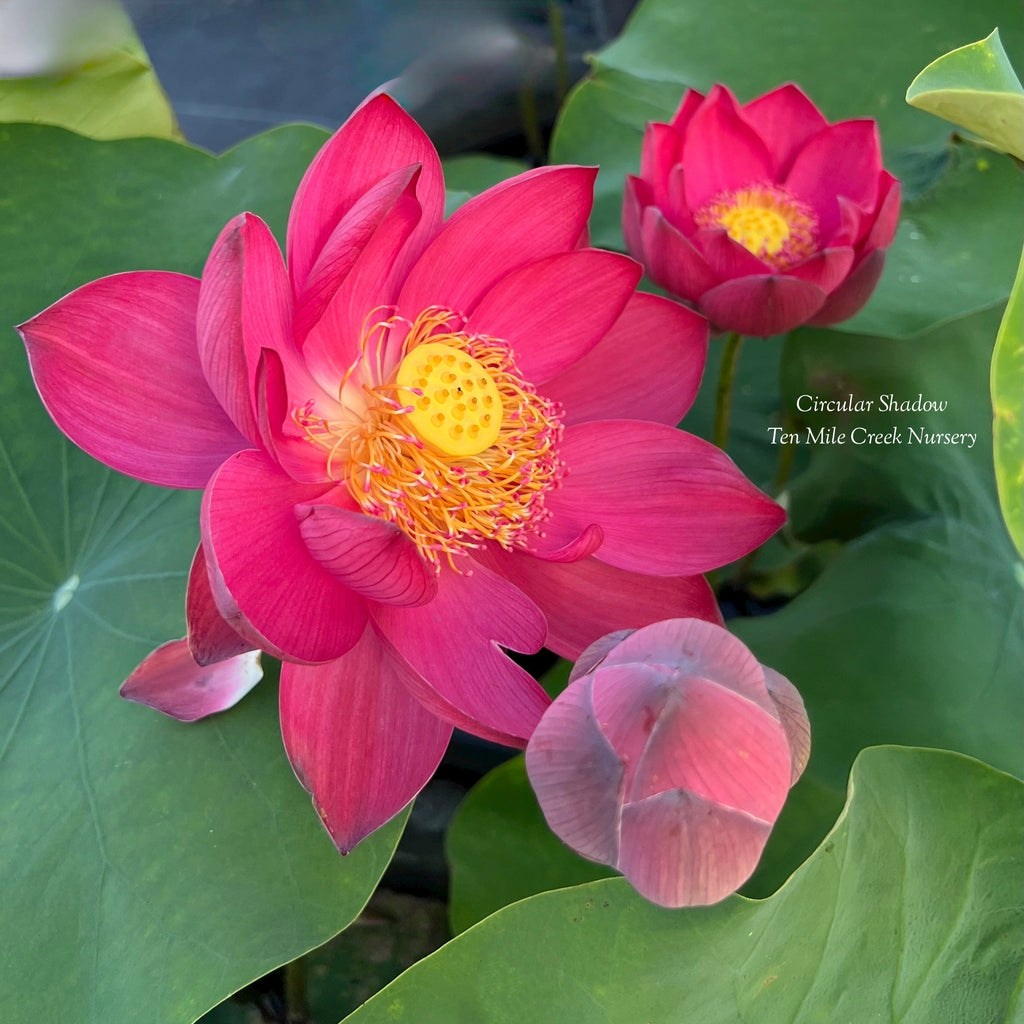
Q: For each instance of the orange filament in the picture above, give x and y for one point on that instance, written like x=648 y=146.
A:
x=442 y=489
x=765 y=219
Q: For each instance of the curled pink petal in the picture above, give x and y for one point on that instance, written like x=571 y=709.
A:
x=117 y=366
x=170 y=681
x=358 y=741
x=691 y=763
x=674 y=863
x=662 y=150
x=370 y=556
x=884 y=229
x=348 y=240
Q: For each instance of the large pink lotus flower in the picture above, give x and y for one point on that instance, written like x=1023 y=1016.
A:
x=420 y=443
x=763 y=216
x=669 y=756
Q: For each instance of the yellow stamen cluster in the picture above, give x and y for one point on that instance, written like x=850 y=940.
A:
x=403 y=465
x=767 y=220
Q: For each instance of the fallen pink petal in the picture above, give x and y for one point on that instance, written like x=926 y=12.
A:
x=762 y=216
x=669 y=756
x=171 y=681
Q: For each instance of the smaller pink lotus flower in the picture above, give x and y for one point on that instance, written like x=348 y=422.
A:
x=669 y=757
x=762 y=216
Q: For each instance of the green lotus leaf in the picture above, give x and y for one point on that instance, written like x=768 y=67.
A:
x=103 y=86
x=909 y=910
x=1008 y=408
x=149 y=868
x=975 y=86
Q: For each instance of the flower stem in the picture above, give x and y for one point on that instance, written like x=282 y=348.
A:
x=723 y=396
x=561 y=53
x=786 y=452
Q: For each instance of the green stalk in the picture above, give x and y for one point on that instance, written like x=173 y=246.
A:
x=723 y=396
x=561 y=55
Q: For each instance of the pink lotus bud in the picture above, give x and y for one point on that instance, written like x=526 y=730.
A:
x=669 y=757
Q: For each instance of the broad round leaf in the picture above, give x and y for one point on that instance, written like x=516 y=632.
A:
x=910 y=910
x=149 y=868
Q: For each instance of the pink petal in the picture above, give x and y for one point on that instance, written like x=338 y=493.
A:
x=672 y=260
x=701 y=648
x=584 y=600
x=210 y=637
x=554 y=311
x=261 y=568
x=669 y=503
x=853 y=293
x=359 y=743
x=691 y=102
x=117 y=368
x=632 y=217
x=452 y=644
x=245 y=305
x=376 y=140
x=348 y=240
x=727 y=258
x=365 y=296
x=785 y=118
x=370 y=556
x=884 y=229
x=762 y=305
x=577 y=777
x=648 y=366
x=678 y=850
x=722 y=151
x=517 y=222
x=170 y=681
x=826 y=269
x=844 y=159
x=280 y=435
x=694 y=734
x=560 y=549
x=662 y=150
x=793 y=715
